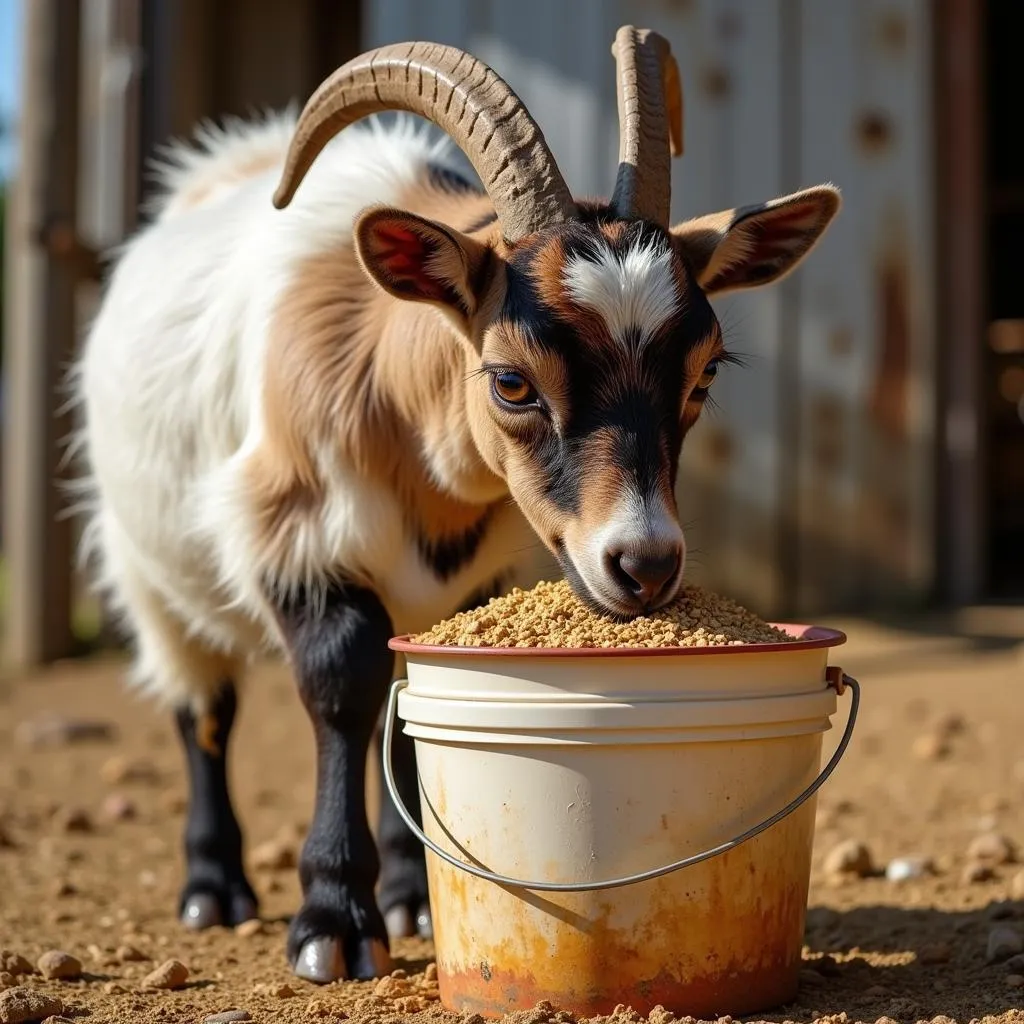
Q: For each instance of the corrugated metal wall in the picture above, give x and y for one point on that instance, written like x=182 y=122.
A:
x=810 y=488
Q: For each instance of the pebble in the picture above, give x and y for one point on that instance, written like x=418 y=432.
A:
x=936 y=953
x=904 y=869
x=227 y=1016
x=118 y=807
x=18 y=1005
x=430 y=972
x=129 y=954
x=55 y=963
x=930 y=746
x=113 y=988
x=876 y=990
x=120 y=769
x=72 y=819
x=170 y=974
x=1014 y=980
x=254 y=926
x=53 y=730
x=849 y=857
x=15 y=964
x=1017 y=886
x=273 y=855
x=975 y=872
x=1003 y=942
x=991 y=848
x=1015 y=964
x=58 y=1020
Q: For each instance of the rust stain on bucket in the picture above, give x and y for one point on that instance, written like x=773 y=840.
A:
x=722 y=937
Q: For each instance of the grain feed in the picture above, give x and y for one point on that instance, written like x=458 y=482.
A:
x=550 y=615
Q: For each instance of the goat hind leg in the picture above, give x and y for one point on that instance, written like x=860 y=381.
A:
x=216 y=890
x=339 y=653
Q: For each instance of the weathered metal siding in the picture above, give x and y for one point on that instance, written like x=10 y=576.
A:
x=810 y=487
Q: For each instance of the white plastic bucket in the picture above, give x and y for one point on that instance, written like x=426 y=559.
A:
x=619 y=826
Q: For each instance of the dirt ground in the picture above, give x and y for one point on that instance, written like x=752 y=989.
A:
x=90 y=845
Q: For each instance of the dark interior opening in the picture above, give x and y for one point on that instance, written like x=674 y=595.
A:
x=1003 y=359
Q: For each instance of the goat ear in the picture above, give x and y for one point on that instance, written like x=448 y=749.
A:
x=421 y=260
x=755 y=245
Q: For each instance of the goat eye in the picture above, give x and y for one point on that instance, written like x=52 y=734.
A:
x=707 y=378
x=514 y=389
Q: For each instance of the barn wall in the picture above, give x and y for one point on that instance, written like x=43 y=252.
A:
x=810 y=487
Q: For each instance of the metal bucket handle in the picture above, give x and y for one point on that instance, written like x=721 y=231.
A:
x=837 y=679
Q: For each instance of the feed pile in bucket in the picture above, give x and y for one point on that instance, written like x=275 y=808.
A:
x=550 y=615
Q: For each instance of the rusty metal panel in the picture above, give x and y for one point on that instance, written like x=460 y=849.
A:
x=866 y=331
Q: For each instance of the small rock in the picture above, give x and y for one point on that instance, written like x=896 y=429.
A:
x=1003 y=942
x=280 y=991
x=992 y=848
x=227 y=1016
x=254 y=926
x=119 y=769
x=430 y=972
x=930 y=746
x=1015 y=964
x=117 y=807
x=273 y=855
x=875 y=991
x=129 y=954
x=55 y=963
x=170 y=974
x=1014 y=980
x=903 y=869
x=936 y=953
x=113 y=988
x=15 y=964
x=147 y=879
x=54 y=730
x=58 y=1020
x=1001 y=911
x=72 y=819
x=62 y=889
x=1017 y=886
x=975 y=872
x=849 y=857
x=18 y=1005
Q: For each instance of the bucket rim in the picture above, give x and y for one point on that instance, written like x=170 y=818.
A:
x=808 y=638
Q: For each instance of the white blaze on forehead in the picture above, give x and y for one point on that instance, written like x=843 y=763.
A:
x=633 y=292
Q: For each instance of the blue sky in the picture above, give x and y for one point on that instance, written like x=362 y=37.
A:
x=10 y=75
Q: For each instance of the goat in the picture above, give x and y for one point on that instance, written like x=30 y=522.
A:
x=312 y=427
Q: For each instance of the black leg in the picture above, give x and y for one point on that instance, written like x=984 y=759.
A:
x=216 y=890
x=340 y=656
x=403 y=880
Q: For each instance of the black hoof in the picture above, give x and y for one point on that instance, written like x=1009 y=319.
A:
x=205 y=907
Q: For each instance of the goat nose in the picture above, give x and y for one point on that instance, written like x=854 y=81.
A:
x=645 y=575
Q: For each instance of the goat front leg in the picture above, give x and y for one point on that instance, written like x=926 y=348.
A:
x=338 y=644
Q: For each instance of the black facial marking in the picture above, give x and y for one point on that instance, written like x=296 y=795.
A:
x=446 y=555
x=630 y=389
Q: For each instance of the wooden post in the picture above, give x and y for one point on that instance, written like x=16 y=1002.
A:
x=40 y=338
x=961 y=219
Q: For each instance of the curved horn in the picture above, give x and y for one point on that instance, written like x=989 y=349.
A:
x=463 y=97
x=650 y=123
